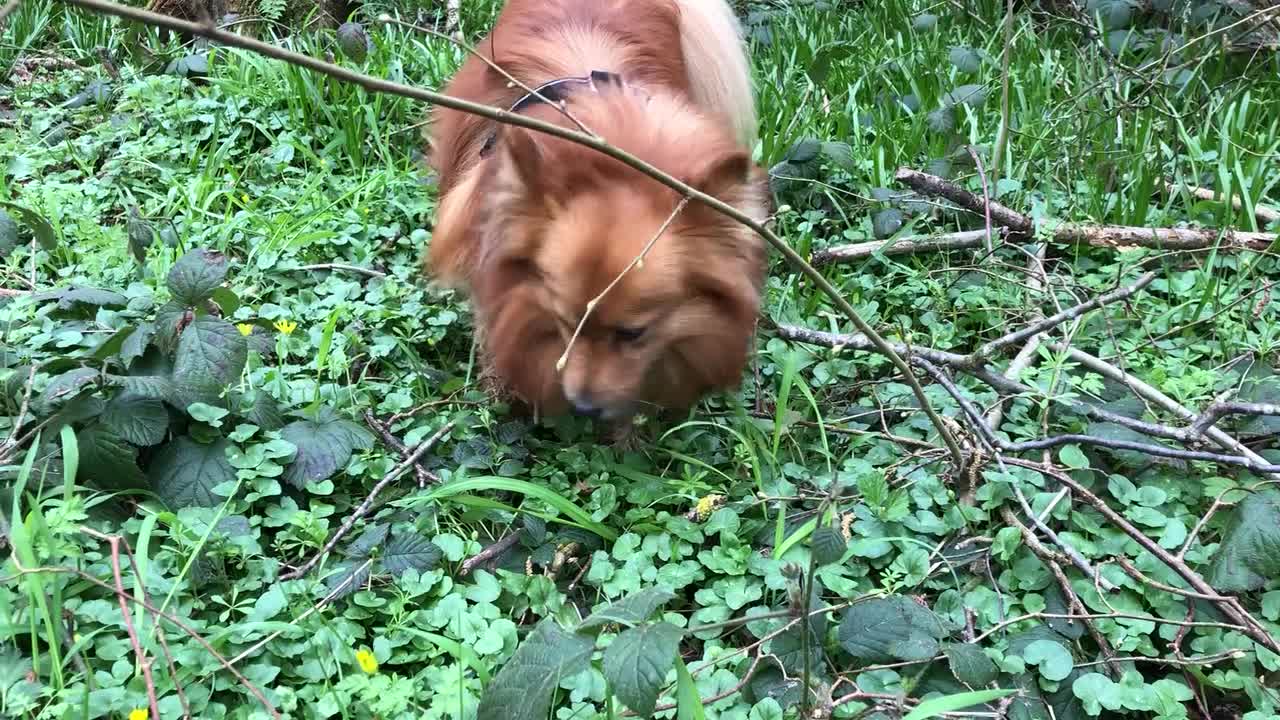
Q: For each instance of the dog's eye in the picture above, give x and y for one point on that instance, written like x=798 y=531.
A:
x=628 y=334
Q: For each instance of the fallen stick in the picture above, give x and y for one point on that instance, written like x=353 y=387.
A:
x=1264 y=214
x=902 y=246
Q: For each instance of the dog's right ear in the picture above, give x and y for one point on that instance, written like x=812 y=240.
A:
x=521 y=160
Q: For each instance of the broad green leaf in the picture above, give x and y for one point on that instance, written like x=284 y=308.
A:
x=969 y=664
x=139 y=419
x=354 y=41
x=64 y=387
x=211 y=355
x=688 y=702
x=147 y=386
x=409 y=550
x=827 y=545
x=325 y=445
x=36 y=223
x=136 y=344
x=195 y=276
x=637 y=661
x=630 y=611
x=966 y=59
x=1053 y=659
x=185 y=472
x=971 y=95
x=73 y=296
x=1073 y=457
x=348 y=577
x=373 y=537
x=1249 y=555
x=886 y=222
x=933 y=707
x=523 y=688
x=890 y=628
x=925 y=21
x=108 y=459
x=140 y=233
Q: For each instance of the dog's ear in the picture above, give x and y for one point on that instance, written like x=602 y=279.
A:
x=723 y=174
x=521 y=159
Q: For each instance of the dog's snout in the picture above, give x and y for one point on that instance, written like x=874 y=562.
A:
x=587 y=409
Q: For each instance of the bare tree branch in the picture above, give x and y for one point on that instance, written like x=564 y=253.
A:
x=902 y=246
x=1264 y=214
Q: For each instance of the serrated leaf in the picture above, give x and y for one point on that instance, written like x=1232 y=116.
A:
x=1249 y=555
x=140 y=233
x=408 y=550
x=890 y=628
x=522 y=689
x=1052 y=658
x=64 y=387
x=925 y=21
x=265 y=411
x=827 y=545
x=348 y=578
x=353 y=41
x=803 y=152
x=966 y=59
x=840 y=155
x=139 y=419
x=211 y=355
x=185 y=472
x=195 y=276
x=8 y=234
x=1055 y=604
x=372 y=537
x=108 y=458
x=324 y=444
x=72 y=296
x=941 y=120
x=789 y=649
x=39 y=227
x=148 y=386
x=826 y=56
x=113 y=344
x=630 y=611
x=637 y=661
x=971 y=95
x=886 y=222
x=969 y=664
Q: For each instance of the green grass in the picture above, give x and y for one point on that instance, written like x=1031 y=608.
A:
x=812 y=477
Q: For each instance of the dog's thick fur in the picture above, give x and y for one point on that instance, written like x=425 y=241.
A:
x=539 y=227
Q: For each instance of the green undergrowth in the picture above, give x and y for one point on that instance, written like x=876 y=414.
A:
x=210 y=264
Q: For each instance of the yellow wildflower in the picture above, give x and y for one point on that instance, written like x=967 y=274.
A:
x=245 y=198
x=707 y=505
x=368 y=663
x=246 y=329
x=286 y=326
x=139 y=714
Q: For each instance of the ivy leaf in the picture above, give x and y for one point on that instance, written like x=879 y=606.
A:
x=1249 y=555
x=408 y=550
x=969 y=664
x=137 y=418
x=324 y=446
x=637 y=661
x=890 y=628
x=107 y=458
x=211 y=355
x=630 y=611
x=827 y=545
x=185 y=472
x=1051 y=657
x=196 y=275
x=522 y=689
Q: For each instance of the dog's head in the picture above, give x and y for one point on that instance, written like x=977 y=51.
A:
x=563 y=225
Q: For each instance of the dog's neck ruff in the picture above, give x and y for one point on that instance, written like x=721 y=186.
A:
x=555 y=92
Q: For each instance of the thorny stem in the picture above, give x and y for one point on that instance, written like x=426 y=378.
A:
x=373 y=84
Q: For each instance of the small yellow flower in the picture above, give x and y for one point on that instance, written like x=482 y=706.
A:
x=139 y=714
x=286 y=326
x=245 y=198
x=246 y=329
x=368 y=663
x=707 y=505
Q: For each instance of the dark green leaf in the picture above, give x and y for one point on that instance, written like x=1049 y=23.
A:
x=408 y=550
x=108 y=459
x=171 y=320
x=69 y=297
x=265 y=412
x=372 y=537
x=96 y=92
x=1053 y=659
x=64 y=387
x=1249 y=555
x=803 y=152
x=827 y=545
x=140 y=233
x=136 y=343
x=196 y=275
x=211 y=355
x=840 y=155
x=637 y=662
x=324 y=446
x=886 y=222
x=971 y=95
x=354 y=41
x=941 y=120
x=148 y=386
x=8 y=234
x=630 y=611
x=348 y=578
x=522 y=689
x=195 y=65
x=139 y=419
x=826 y=56
x=890 y=628
x=1055 y=605
x=966 y=59
x=789 y=649
x=185 y=472
x=969 y=664
x=925 y=21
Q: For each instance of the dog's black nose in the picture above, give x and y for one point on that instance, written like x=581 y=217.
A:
x=587 y=410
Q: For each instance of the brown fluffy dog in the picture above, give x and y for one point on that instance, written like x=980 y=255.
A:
x=534 y=227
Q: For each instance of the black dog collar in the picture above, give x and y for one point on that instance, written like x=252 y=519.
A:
x=553 y=93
